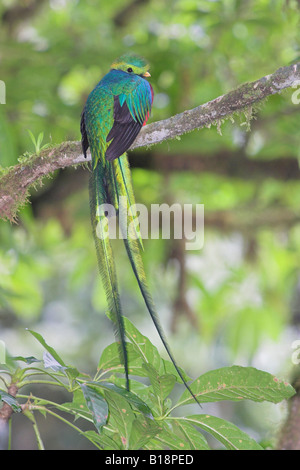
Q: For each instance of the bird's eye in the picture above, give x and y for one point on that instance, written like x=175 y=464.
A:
x=129 y=70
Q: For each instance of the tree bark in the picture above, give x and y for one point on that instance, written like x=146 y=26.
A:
x=290 y=433
x=15 y=182
x=5 y=414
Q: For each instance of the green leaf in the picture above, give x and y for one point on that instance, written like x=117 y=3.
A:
x=40 y=140
x=168 y=368
x=110 y=359
x=28 y=360
x=238 y=383
x=129 y=396
x=36 y=142
x=142 y=345
x=121 y=417
x=169 y=440
x=142 y=390
x=162 y=384
x=149 y=353
x=105 y=441
x=224 y=431
x=32 y=138
x=10 y=400
x=77 y=406
x=52 y=351
x=142 y=431
x=195 y=439
x=96 y=404
x=72 y=373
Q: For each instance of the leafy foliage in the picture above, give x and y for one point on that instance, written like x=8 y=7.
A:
x=142 y=418
x=242 y=289
x=215 y=45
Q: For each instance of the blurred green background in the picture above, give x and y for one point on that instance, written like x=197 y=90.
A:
x=236 y=301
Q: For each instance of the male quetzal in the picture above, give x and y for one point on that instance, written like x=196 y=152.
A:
x=114 y=114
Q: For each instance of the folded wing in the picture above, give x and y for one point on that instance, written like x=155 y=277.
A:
x=131 y=112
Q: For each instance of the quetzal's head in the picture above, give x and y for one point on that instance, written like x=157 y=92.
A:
x=132 y=64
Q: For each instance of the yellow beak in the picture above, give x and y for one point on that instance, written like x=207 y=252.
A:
x=146 y=74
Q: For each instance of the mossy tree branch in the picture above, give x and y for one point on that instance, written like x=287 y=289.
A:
x=16 y=181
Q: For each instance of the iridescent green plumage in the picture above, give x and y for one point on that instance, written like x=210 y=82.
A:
x=114 y=113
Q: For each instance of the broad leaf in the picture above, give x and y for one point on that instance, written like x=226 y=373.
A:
x=10 y=400
x=149 y=353
x=77 y=406
x=142 y=431
x=142 y=345
x=129 y=396
x=27 y=360
x=237 y=383
x=162 y=384
x=121 y=417
x=110 y=359
x=195 y=439
x=96 y=404
x=168 y=440
x=48 y=348
x=72 y=373
x=105 y=441
x=143 y=391
x=224 y=431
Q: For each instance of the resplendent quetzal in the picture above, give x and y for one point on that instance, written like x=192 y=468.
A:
x=114 y=114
